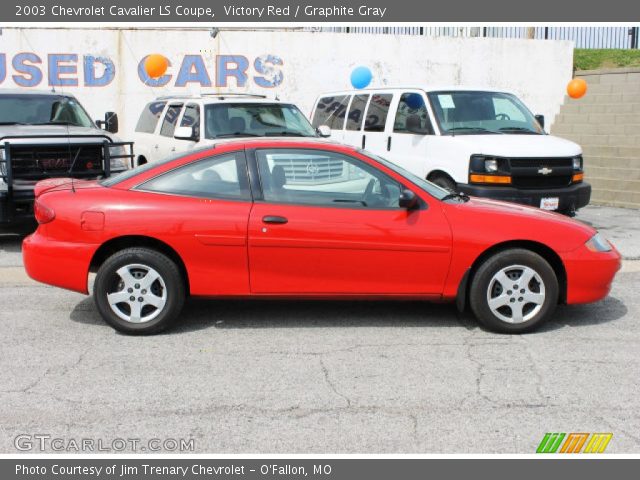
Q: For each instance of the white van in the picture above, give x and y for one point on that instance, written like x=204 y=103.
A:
x=477 y=141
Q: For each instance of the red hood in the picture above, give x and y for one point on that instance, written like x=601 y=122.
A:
x=504 y=221
x=57 y=184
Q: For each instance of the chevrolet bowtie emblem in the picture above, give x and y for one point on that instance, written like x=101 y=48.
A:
x=545 y=171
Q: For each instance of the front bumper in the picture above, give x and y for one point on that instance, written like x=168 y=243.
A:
x=16 y=208
x=590 y=274
x=571 y=198
x=62 y=264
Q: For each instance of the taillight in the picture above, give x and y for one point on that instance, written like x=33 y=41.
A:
x=43 y=213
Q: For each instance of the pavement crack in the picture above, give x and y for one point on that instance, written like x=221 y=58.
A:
x=330 y=384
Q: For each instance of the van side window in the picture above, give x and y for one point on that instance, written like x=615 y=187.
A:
x=412 y=115
x=377 y=113
x=356 y=112
x=170 y=120
x=149 y=117
x=191 y=118
x=331 y=111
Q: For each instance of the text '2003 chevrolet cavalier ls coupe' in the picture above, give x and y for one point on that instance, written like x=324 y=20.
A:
x=276 y=218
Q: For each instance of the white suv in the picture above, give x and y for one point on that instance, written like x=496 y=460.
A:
x=174 y=124
x=478 y=141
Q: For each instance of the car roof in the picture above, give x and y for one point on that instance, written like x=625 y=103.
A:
x=228 y=97
x=21 y=91
x=425 y=88
x=276 y=141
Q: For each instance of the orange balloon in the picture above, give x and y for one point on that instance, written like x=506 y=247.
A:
x=155 y=65
x=576 y=88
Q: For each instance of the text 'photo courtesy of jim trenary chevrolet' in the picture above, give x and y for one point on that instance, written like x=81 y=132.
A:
x=371 y=232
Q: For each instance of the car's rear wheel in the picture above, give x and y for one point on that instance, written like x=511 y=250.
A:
x=514 y=291
x=139 y=291
x=445 y=182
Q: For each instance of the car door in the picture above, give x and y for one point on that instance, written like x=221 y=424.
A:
x=353 y=130
x=204 y=207
x=190 y=117
x=329 y=223
x=167 y=144
x=375 y=123
x=412 y=133
x=331 y=111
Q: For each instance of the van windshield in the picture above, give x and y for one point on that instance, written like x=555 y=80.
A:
x=482 y=113
x=225 y=120
x=30 y=109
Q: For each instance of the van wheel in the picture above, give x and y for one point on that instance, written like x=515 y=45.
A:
x=445 y=182
x=514 y=291
x=139 y=291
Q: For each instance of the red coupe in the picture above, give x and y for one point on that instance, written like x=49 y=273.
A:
x=305 y=218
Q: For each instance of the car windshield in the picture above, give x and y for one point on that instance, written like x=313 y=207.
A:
x=24 y=109
x=482 y=113
x=431 y=188
x=226 y=120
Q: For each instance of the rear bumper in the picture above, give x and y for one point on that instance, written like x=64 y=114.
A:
x=570 y=198
x=62 y=264
x=590 y=274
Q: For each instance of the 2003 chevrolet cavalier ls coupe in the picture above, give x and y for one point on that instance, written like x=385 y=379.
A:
x=305 y=218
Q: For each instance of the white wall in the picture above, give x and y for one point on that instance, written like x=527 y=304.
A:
x=313 y=62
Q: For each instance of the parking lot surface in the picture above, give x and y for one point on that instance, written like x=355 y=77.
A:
x=322 y=377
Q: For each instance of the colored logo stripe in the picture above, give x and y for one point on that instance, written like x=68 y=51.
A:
x=598 y=442
x=574 y=443
x=550 y=443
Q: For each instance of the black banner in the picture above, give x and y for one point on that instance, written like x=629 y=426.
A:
x=349 y=11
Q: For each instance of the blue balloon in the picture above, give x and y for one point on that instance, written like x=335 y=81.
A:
x=361 y=77
x=414 y=101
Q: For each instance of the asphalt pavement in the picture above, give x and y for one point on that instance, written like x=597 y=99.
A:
x=318 y=377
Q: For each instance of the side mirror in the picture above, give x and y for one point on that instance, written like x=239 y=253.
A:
x=540 y=119
x=110 y=122
x=324 y=131
x=408 y=199
x=184 y=133
x=414 y=125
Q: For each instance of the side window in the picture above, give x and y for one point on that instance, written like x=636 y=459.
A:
x=149 y=117
x=170 y=119
x=191 y=118
x=331 y=111
x=412 y=115
x=323 y=178
x=377 y=113
x=356 y=112
x=222 y=177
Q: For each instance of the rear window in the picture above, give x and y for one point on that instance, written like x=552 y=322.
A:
x=149 y=117
x=331 y=111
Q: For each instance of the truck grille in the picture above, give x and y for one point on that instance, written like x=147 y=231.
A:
x=534 y=173
x=35 y=163
x=314 y=171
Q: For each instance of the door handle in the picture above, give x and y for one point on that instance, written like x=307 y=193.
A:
x=389 y=143
x=364 y=141
x=274 y=219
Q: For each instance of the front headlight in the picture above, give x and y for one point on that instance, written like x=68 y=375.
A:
x=598 y=243
x=119 y=164
x=491 y=165
x=577 y=162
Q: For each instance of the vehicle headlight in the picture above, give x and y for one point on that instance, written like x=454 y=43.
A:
x=577 y=162
x=3 y=170
x=598 y=243
x=491 y=165
x=122 y=163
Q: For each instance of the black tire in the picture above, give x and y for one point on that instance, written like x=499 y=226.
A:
x=169 y=287
x=445 y=182
x=516 y=308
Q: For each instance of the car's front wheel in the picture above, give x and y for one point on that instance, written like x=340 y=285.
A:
x=139 y=291
x=514 y=291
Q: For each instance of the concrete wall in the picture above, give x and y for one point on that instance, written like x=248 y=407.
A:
x=297 y=65
x=606 y=123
